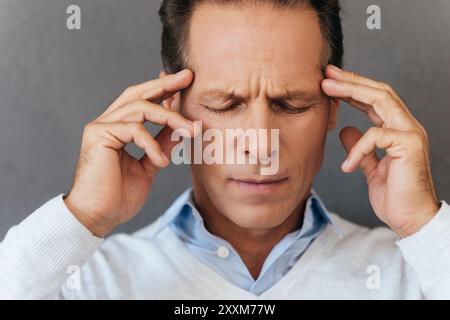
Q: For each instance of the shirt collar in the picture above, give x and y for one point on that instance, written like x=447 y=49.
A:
x=322 y=209
x=186 y=200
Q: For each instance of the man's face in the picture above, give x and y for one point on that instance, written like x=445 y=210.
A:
x=260 y=54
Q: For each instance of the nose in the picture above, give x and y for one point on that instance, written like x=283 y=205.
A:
x=262 y=122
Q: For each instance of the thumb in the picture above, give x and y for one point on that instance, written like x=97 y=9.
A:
x=349 y=137
x=164 y=140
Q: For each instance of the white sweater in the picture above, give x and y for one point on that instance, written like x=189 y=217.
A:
x=38 y=256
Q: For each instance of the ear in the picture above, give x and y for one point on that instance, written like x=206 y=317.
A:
x=173 y=102
x=334 y=108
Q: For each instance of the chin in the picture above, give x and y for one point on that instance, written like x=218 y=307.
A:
x=258 y=216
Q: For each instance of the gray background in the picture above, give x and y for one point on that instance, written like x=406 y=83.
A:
x=53 y=81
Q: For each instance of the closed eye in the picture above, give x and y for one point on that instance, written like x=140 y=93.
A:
x=278 y=106
x=221 y=109
x=285 y=107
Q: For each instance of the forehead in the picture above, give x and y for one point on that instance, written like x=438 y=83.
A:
x=231 y=45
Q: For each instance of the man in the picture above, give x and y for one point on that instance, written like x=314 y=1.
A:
x=239 y=234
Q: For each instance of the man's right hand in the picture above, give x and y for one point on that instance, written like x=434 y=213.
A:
x=111 y=186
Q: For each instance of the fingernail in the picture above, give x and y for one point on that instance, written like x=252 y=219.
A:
x=345 y=164
x=335 y=68
x=331 y=82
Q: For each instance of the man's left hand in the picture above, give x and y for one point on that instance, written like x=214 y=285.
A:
x=400 y=185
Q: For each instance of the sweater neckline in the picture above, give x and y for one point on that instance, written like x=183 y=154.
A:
x=309 y=257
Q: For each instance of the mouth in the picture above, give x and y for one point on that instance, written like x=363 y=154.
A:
x=259 y=185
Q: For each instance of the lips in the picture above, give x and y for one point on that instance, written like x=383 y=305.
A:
x=261 y=181
x=258 y=185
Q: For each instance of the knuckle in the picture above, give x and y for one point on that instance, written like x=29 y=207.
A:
x=373 y=132
x=91 y=133
x=142 y=96
x=423 y=131
x=386 y=95
x=130 y=90
x=417 y=138
x=89 y=128
x=353 y=75
x=135 y=127
x=135 y=104
x=386 y=87
x=141 y=131
x=399 y=115
x=138 y=107
x=142 y=104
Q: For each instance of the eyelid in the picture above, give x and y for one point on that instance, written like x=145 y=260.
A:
x=302 y=105
x=293 y=109
x=225 y=108
x=284 y=105
x=308 y=101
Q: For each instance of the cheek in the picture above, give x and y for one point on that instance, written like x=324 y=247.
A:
x=303 y=141
x=309 y=127
x=187 y=107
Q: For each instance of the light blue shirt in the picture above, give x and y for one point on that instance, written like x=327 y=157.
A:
x=187 y=222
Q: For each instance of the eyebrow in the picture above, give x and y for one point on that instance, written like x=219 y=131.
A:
x=298 y=95
x=218 y=95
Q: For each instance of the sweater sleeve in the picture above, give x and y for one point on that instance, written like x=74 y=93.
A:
x=428 y=253
x=38 y=255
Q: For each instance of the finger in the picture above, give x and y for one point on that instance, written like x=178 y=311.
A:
x=143 y=110
x=167 y=144
x=350 y=137
x=165 y=103
x=368 y=110
x=174 y=102
x=154 y=90
x=336 y=73
x=396 y=143
x=116 y=135
x=385 y=106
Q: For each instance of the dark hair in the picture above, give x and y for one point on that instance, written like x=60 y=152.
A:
x=175 y=16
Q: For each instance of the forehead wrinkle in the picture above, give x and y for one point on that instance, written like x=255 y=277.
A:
x=255 y=83
x=297 y=95
x=256 y=86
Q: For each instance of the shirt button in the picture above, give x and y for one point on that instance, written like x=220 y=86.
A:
x=223 y=252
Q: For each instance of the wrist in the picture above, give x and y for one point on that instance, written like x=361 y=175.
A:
x=418 y=222
x=98 y=227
